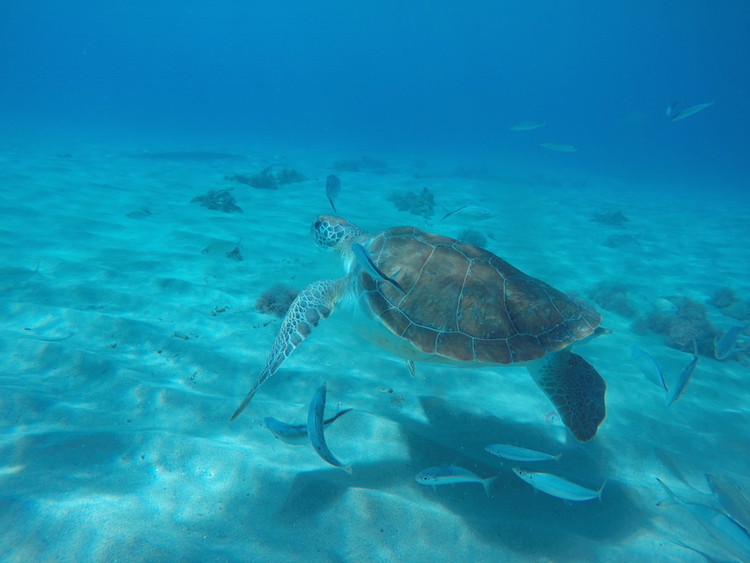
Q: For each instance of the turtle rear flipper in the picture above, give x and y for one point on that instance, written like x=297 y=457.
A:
x=575 y=388
x=313 y=303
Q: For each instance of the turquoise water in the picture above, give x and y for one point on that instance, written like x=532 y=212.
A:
x=129 y=330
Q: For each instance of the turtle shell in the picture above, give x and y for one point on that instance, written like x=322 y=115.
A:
x=467 y=304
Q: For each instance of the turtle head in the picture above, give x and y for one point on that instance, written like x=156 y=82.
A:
x=334 y=232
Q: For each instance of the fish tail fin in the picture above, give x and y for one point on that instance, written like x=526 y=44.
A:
x=487 y=483
x=599 y=492
x=393 y=281
x=716 y=343
x=343 y=412
x=663 y=382
x=671 y=497
x=397 y=285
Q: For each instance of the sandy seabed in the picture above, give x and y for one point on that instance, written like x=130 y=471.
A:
x=125 y=347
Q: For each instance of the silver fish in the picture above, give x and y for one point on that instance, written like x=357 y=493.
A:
x=471 y=212
x=648 y=366
x=294 y=434
x=722 y=527
x=673 y=105
x=515 y=453
x=557 y=486
x=689 y=111
x=363 y=257
x=683 y=379
x=527 y=125
x=732 y=499
x=315 y=417
x=333 y=187
x=727 y=344
x=451 y=475
x=559 y=147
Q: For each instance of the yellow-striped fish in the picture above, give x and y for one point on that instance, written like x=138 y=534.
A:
x=515 y=453
x=315 y=421
x=557 y=486
x=450 y=475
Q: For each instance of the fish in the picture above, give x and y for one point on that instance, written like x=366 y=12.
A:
x=363 y=257
x=333 y=187
x=515 y=453
x=471 y=212
x=142 y=213
x=557 y=486
x=683 y=379
x=618 y=241
x=315 y=421
x=295 y=434
x=451 y=475
x=726 y=345
x=222 y=247
x=689 y=111
x=559 y=147
x=731 y=498
x=527 y=125
x=14 y=275
x=648 y=366
x=673 y=105
x=733 y=536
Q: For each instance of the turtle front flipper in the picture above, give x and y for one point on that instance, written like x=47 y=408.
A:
x=575 y=388
x=315 y=302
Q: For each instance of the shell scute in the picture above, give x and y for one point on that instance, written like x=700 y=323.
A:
x=396 y=320
x=424 y=339
x=529 y=306
x=494 y=351
x=465 y=303
x=482 y=312
x=525 y=347
x=456 y=345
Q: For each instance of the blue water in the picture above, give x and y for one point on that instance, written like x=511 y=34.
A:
x=124 y=348
x=397 y=74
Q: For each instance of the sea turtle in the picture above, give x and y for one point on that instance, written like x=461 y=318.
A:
x=430 y=298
